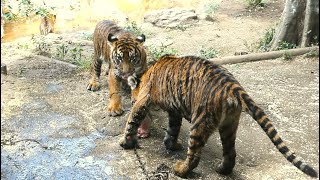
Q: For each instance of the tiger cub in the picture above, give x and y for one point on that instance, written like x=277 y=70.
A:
x=125 y=56
x=210 y=98
x=47 y=24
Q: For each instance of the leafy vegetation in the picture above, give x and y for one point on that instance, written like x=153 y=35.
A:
x=265 y=43
x=207 y=53
x=26 y=9
x=285 y=45
x=42 y=47
x=212 y=6
x=287 y=56
x=156 y=52
x=133 y=27
x=255 y=3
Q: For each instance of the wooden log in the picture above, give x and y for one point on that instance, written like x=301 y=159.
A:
x=265 y=55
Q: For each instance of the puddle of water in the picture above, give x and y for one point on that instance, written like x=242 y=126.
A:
x=53 y=88
x=65 y=158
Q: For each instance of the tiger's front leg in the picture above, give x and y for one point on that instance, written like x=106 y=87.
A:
x=115 y=106
x=138 y=114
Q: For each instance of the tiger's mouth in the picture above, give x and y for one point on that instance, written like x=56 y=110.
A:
x=122 y=75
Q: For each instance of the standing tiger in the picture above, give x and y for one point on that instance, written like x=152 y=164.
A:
x=125 y=56
x=210 y=98
x=47 y=24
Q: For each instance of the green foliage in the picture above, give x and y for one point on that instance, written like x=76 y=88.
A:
x=284 y=45
x=87 y=36
x=207 y=53
x=133 y=28
x=287 y=56
x=76 y=53
x=212 y=6
x=181 y=27
x=26 y=9
x=84 y=63
x=9 y=16
x=265 y=42
x=61 y=51
x=255 y=3
x=43 y=11
x=312 y=53
x=157 y=52
x=42 y=47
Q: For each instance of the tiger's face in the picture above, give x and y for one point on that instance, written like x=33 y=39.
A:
x=127 y=54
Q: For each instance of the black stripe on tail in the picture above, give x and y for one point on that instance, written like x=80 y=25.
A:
x=261 y=118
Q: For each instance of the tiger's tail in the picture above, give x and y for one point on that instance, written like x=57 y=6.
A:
x=261 y=118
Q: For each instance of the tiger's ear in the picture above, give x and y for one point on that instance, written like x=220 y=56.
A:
x=112 y=38
x=141 y=38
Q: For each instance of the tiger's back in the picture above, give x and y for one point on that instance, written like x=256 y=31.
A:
x=210 y=98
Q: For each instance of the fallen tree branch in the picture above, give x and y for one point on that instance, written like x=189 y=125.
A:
x=264 y=56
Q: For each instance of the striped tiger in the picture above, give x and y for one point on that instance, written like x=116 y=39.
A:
x=210 y=98
x=124 y=55
x=47 y=24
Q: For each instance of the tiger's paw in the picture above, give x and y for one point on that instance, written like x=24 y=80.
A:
x=224 y=170
x=128 y=142
x=172 y=145
x=93 y=86
x=181 y=169
x=114 y=111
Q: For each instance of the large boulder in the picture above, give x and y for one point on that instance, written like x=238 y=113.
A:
x=172 y=17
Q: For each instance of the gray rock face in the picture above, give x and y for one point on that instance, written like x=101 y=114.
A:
x=171 y=17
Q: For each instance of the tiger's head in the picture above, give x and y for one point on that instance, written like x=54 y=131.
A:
x=127 y=54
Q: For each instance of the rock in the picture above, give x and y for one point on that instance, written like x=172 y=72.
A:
x=172 y=17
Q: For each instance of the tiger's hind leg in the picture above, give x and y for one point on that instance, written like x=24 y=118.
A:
x=95 y=73
x=227 y=131
x=199 y=134
x=171 y=137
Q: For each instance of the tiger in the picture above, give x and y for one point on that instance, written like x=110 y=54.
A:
x=47 y=24
x=124 y=55
x=210 y=98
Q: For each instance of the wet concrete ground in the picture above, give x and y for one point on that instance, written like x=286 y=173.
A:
x=53 y=128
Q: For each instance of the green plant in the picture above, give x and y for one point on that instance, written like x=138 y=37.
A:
x=61 y=51
x=9 y=16
x=76 y=53
x=181 y=27
x=312 y=53
x=23 y=45
x=87 y=36
x=133 y=27
x=84 y=63
x=26 y=9
x=287 y=56
x=212 y=6
x=42 y=47
x=285 y=45
x=265 y=42
x=157 y=52
x=207 y=53
x=43 y=11
x=255 y=3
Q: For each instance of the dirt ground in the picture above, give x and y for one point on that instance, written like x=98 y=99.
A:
x=53 y=128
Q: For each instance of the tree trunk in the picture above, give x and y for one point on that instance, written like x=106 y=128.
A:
x=299 y=24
